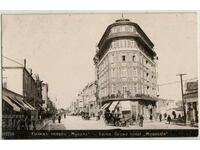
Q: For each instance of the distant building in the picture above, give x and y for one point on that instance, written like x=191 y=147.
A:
x=166 y=106
x=45 y=94
x=191 y=101
x=125 y=68
x=91 y=93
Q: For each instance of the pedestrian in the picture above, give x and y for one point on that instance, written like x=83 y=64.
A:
x=53 y=118
x=34 y=124
x=169 y=119
x=141 y=120
x=27 y=122
x=151 y=117
x=59 y=119
x=64 y=115
x=22 y=123
x=160 y=117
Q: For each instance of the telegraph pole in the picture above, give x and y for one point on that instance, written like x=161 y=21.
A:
x=181 y=75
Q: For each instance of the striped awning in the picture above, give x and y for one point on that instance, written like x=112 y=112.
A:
x=15 y=107
x=113 y=105
x=105 y=106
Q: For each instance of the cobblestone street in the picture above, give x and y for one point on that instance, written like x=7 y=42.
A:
x=77 y=123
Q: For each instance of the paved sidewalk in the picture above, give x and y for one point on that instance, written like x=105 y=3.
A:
x=41 y=124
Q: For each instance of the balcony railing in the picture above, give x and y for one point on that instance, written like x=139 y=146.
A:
x=128 y=96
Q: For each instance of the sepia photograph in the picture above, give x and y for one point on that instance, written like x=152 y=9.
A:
x=99 y=75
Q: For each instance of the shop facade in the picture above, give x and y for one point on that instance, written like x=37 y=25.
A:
x=191 y=102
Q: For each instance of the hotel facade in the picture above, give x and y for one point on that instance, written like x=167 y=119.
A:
x=125 y=68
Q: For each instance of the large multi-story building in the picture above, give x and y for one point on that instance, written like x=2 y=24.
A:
x=125 y=66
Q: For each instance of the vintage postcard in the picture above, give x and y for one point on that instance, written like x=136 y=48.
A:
x=99 y=75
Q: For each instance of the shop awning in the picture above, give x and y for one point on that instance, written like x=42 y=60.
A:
x=105 y=106
x=15 y=107
x=29 y=105
x=17 y=102
x=113 y=105
x=125 y=105
x=180 y=108
x=23 y=103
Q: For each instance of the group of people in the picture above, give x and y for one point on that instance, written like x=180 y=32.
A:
x=59 y=118
x=120 y=119
x=168 y=117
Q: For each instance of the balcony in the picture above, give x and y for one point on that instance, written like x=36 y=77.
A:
x=120 y=96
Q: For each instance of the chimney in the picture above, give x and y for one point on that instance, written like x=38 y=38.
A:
x=31 y=71
x=24 y=63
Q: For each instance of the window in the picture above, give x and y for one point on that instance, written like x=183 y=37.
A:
x=135 y=89
x=112 y=58
x=113 y=89
x=130 y=44
x=123 y=58
x=124 y=73
x=113 y=73
x=134 y=58
x=134 y=72
x=127 y=28
x=124 y=89
x=117 y=44
x=118 y=29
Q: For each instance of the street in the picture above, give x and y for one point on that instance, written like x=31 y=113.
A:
x=77 y=123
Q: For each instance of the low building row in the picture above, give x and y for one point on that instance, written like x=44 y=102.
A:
x=24 y=95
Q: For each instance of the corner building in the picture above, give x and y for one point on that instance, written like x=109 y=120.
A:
x=125 y=67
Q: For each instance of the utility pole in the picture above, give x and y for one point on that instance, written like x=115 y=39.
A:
x=181 y=75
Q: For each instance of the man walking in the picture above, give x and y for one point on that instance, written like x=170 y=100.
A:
x=160 y=117
x=169 y=119
x=59 y=119
x=141 y=120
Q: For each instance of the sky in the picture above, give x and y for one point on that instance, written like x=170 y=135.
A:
x=61 y=47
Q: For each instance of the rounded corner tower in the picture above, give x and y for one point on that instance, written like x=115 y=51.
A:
x=126 y=67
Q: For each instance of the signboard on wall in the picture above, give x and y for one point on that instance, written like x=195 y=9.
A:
x=191 y=86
